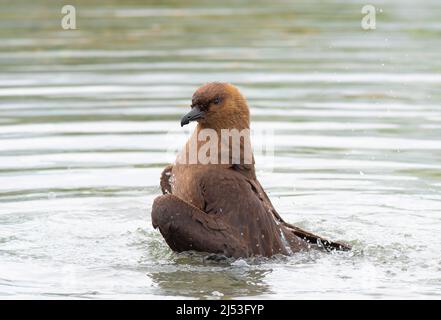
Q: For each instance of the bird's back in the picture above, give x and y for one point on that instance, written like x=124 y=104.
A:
x=238 y=207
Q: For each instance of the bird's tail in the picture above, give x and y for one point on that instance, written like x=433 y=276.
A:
x=305 y=235
x=315 y=239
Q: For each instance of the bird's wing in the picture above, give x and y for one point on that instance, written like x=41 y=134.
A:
x=305 y=235
x=185 y=227
x=165 y=179
x=229 y=195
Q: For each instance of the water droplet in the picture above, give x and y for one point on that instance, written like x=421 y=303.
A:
x=217 y=294
x=240 y=263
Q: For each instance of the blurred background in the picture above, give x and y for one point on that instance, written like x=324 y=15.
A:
x=87 y=117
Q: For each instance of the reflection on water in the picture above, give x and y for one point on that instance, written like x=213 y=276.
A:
x=212 y=282
x=193 y=274
x=89 y=117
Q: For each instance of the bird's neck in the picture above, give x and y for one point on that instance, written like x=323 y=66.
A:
x=230 y=148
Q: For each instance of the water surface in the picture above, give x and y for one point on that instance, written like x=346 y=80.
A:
x=89 y=117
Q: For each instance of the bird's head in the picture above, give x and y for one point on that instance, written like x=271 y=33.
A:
x=218 y=105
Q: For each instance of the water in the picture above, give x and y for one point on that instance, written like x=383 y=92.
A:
x=87 y=117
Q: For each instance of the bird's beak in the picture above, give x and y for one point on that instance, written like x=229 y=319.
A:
x=193 y=115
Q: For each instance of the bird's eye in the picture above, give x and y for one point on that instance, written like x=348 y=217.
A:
x=217 y=100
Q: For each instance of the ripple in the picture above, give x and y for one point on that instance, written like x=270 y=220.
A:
x=89 y=118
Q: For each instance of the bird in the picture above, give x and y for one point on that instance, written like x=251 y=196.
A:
x=220 y=207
